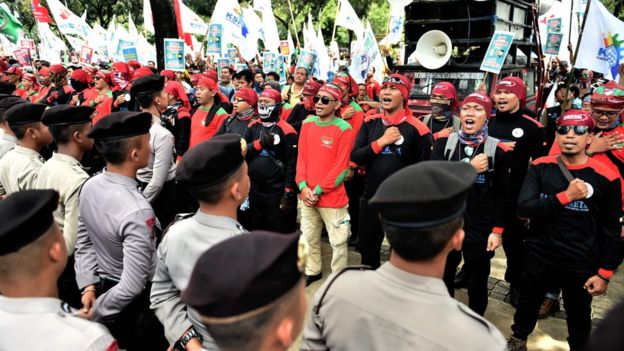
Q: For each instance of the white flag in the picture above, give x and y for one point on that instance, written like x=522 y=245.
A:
x=291 y=44
x=148 y=20
x=269 y=29
x=228 y=13
x=349 y=19
x=262 y=6
x=306 y=41
x=68 y=22
x=249 y=45
x=322 y=57
x=367 y=55
x=133 y=33
x=51 y=45
x=145 y=50
x=97 y=40
x=561 y=10
x=191 y=22
x=602 y=45
x=397 y=20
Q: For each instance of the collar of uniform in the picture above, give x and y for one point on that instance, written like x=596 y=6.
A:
x=218 y=221
x=65 y=158
x=26 y=151
x=413 y=281
x=120 y=179
x=8 y=137
x=28 y=305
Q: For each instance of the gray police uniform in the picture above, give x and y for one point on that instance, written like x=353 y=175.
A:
x=64 y=174
x=390 y=309
x=7 y=142
x=45 y=323
x=180 y=249
x=115 y=241
x=18 y=169
x=161 y=167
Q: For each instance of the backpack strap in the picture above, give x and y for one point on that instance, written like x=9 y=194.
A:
x=426 y=119
x=456 y=123
x=489 y=149
x=451 y=144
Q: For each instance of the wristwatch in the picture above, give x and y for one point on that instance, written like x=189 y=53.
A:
x=186 y=338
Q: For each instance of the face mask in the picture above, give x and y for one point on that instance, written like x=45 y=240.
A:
x=440 y=109
x=264 y=111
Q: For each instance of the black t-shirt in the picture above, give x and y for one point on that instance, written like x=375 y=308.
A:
x=297 y=115
x=487 y=205
x=576 y=236
x=380 y=164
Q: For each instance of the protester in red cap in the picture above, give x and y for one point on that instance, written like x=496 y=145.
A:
x=574 y=205
x=14 y=76
x=31 y=88
x=325 y=143
x=101 y=97
x=306 y=107
x=527 y=138
x=373 y=88
x=43 y=78
x=141 y=72
x=486 y=206
x=121 y=77
x=209 y=115
x=134 y=65
x=168 y=74
x=245 y=111
x=272 y=159
x=386 y=143
x=177 y=117
x=80 y=82
x=60 y=92
x=443 y=118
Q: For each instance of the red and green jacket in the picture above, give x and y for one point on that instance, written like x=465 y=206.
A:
x=203 y=126
x=323 y=160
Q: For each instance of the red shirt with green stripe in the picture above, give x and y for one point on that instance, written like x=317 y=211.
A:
x=323 y=160
x=357 y=119
x=203 y=127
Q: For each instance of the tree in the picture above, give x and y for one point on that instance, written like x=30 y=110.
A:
x=164 y=27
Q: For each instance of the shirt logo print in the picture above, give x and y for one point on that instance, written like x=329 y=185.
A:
x=327 y=141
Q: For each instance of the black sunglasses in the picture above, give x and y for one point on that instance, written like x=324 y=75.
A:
x=392 y=80
x=578 y=130
x=609 y=114
x=323 y=99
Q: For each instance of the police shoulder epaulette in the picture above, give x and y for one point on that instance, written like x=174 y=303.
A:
x=333 y=279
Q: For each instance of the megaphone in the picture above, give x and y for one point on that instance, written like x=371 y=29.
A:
x=433 y=49
x=544 y=6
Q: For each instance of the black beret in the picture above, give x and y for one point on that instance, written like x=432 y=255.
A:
x=25 y=113
x=424 y=195
x=211 y=161
x=8 y=102
x=147 y=85
x=26 y=216
x=6 y=88
x=121 y=125
x=63 y=115
x=243 y=274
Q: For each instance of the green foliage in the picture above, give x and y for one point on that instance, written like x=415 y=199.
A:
x=616 y=7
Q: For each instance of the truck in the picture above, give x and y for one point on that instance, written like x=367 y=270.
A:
x=469 y=25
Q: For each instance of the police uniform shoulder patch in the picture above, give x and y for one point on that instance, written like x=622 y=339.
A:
x=333 y=279
x=470 y=313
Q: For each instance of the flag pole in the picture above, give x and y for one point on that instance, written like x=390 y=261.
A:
x=337 y=11
x=575 y=54
x=201 y=48
x=292 y=17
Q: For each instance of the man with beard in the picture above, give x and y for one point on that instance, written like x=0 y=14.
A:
x=272 y=160
x=306 y=107
x=386 y=143
x=442 y=120
x=487 y=199
x=527 y=140
x=574 y=204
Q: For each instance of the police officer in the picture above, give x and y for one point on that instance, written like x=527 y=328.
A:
x=63 y=172
x=227 y=298
x=403 y=304
x=158 y=178
x=215 y=172
x=7 y=137
x=32 y=257
x=19 y=167
x=116 y=242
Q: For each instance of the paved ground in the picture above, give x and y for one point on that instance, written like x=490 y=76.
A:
x=550 y=334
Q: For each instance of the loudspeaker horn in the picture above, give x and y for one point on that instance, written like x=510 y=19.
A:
x=433 y=49
x=544 y=6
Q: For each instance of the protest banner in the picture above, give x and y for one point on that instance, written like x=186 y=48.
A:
x=130 y=53
x=86 y=54
x=23 y=56
x=174 y=54
x=215 y=33
x=497 y=52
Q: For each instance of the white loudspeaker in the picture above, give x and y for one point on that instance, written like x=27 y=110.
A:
x=544 y=6
x=433 y=49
